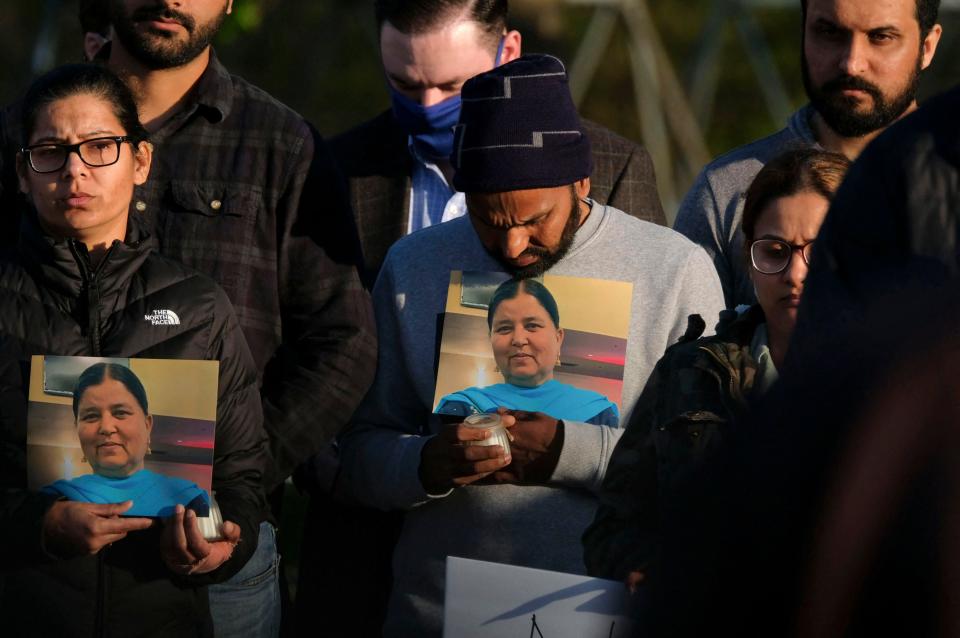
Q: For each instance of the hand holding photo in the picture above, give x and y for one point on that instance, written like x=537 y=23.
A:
x=186 y=550
x=71 y=528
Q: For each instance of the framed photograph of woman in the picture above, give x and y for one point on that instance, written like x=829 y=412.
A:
x=109 y=430
x=555 y=345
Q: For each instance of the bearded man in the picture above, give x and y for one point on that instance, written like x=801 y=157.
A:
x=244 y=190
x=523 y=160
x=861 y=62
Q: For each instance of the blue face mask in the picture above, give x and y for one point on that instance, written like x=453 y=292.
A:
x=431 y=127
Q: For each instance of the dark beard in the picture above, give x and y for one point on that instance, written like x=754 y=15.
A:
x=838 y=112
x=157 y=50
x=547 y=259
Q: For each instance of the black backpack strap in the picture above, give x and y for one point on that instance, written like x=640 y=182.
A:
x=695 y=327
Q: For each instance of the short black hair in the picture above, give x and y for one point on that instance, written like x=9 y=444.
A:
x=94 y=17
x=414 y=17
x=100 y=372
x=927 y=11
x=78 y=79
x=511 y=289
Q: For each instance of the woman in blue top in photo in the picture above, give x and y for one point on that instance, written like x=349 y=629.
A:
x=114 y=425
x=526 y=337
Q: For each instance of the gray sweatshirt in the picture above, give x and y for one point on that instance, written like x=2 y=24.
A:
x=710 y=213
x=529 y=525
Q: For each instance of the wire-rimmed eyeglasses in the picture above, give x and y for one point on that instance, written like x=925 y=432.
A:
x=96 y=152
x=772 y=256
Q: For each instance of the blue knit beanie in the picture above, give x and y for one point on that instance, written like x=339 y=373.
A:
x=519 y=129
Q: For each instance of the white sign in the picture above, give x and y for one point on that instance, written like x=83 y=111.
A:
x=490 y=600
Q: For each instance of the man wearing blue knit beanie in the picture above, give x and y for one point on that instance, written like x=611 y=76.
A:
x=524 y=164
x=397 y=164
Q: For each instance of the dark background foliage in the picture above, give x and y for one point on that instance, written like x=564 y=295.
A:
x=320 y=57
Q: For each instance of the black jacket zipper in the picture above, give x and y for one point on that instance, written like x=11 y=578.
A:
x=91 y=281
x=101 y=594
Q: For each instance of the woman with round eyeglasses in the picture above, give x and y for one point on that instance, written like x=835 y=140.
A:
x=86 y=280
x=702 y=385
x=785 y=206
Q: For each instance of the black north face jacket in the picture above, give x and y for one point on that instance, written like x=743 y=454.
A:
x=134 y=303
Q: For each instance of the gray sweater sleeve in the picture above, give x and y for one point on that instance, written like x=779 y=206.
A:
x=698 y=291
x=587 y=448
x=585 y=454
x=700 y=219
x=380 y=450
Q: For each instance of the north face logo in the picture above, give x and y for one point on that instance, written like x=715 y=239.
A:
x=163 y=318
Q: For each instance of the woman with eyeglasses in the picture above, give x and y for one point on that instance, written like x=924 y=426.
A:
x=85 y=280
x=703 y=385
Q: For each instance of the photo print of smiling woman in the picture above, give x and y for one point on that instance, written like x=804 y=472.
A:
x=555 y=345
x=110 y=430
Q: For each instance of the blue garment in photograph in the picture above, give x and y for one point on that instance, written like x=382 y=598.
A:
x=152 y=494
x=559 y=400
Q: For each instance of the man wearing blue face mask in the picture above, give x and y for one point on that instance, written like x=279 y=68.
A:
x=430 y=123
x=400 y=178
x=398 y=163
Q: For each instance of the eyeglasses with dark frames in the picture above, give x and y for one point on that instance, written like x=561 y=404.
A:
x=96 y=152
x=772 y=256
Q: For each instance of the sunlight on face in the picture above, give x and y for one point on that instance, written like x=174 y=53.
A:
x=89 y=203
x=431 y=67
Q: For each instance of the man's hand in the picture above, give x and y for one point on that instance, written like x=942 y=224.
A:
x=536 y=441
x=71 y=528
x=447 y=460
x=184 y=549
